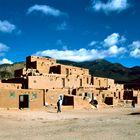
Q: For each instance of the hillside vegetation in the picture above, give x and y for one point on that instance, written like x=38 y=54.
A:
x=7 y=70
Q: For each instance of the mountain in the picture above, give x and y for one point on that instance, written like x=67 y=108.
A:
x=7 y=70
x=99 y=68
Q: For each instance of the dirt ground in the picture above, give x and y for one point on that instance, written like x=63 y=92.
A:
x=86 y=124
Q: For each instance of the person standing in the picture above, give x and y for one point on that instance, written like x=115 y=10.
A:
x=58 y=106
x=133 y=103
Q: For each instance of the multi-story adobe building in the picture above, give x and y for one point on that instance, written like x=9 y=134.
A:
x=48 y=80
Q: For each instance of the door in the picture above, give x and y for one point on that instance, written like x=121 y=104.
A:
x=23 y=101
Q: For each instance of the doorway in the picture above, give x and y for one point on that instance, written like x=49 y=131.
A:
x=68 y=101
x=109 y=100
x=23 y=101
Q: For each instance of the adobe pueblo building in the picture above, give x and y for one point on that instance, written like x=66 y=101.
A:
x=43 y=81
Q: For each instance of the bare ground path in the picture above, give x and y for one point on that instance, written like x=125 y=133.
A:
x=101 y=124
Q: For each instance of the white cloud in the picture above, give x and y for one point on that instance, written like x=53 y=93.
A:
x=82 y=54
x=112 y=39
x=5 y=61
x=45 y=9
x=115 y=50
x=135 y=45
x=110 y=5
x=135 y=53
x=72 y=55
x=113 y=45
x=135 y=49
x=6 y=26
x=92 y=43
x=3 y=47
x=122 y=39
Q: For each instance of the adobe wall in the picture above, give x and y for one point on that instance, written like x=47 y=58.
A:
x=23 y=72
x=69 y=70
x=39 y=63
x=21 y=80
x=72 y=81
x=39 y=58
x=9 y=98
x=111 y=83
x=43 y=67
x=103 y=82
x=10 y=86
x=100 y=95
x=100 y=82
x=72 y=70
x=51 y=98
x=76 y=81
x=45 y=82
x=136 y=93
x=52 y=95
x=52 y=81
x=80 y=103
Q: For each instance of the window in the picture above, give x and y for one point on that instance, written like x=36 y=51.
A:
x=34 y=95
x=34 y=81
x=99 y=82
x=119 y=95
x=63 y=82
x=12 y=95
x=81 y=82
x=86 y=94
x=67 y=71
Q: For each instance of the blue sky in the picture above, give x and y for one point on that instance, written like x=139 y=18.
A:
x=76 y=30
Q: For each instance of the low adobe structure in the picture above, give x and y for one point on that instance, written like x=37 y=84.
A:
x=43 y=81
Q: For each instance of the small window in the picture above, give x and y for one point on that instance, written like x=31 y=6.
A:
x=34 y=95
x=114 y=94
x=67 y=71
x=81 y=82
x=34 y=81
x=99 y=82
x=12 y=95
